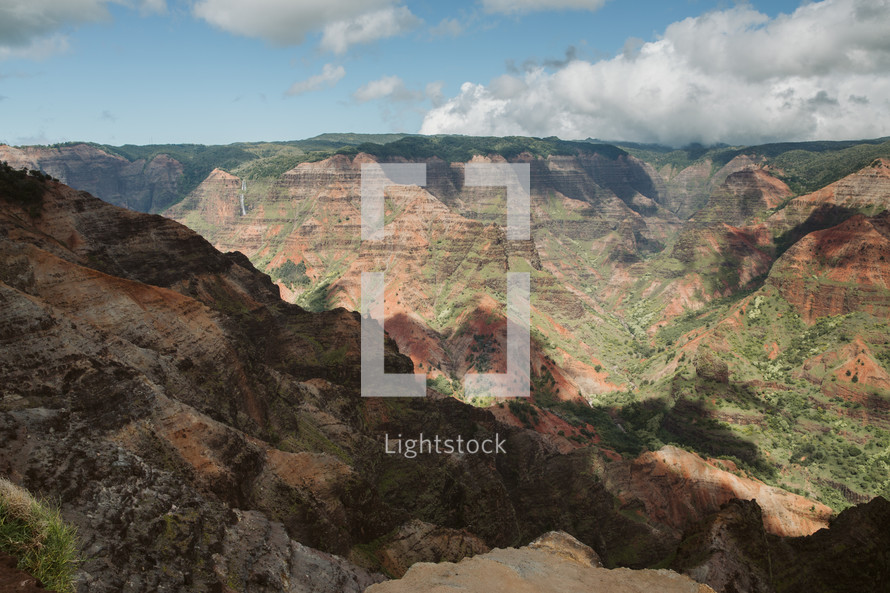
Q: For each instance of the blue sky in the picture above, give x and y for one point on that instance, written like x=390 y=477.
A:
x=220 y=71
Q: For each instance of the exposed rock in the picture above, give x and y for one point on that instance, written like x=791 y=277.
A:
x=563 y=544
x=557 y=563
x=258 y=556
x=745 y=197
x=732 y=553
x=728 y=551
x=446 y=247
x=418 y=541
x=852 y=556
x=154 y=385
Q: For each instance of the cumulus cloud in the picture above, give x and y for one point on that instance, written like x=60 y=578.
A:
x=287 y=22
x=330 y=75
x=390 y=87
x=381 y=24
x=728 y=76
x=523 y=6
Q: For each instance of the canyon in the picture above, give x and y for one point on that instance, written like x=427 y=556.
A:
x=696 y=334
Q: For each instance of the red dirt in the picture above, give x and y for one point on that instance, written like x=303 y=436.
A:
x=13 y=580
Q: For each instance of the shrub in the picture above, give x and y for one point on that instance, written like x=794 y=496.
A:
x=34 y=532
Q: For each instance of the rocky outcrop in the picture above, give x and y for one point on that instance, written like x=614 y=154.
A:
x=555 y=563
x=688 y=190
x=215 y=202
x=710 y=367
x=146 y=186
x=731 y=552
x=728 y=550
x=866 y=192
x=851 y=556
x=258 y=556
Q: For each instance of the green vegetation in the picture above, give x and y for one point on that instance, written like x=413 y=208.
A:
x=291 y=274
x=463 y=148
x=809 y=166
x=23 y=187
x=315 y=299
x=34 y=532
x=804 y=166
x=197 y=160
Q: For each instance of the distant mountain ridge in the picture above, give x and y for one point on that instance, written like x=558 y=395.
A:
x=809 y=165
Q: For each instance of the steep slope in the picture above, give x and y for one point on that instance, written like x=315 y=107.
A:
x=839 y=270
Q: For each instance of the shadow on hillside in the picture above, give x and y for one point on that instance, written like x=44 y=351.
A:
x=823 y=217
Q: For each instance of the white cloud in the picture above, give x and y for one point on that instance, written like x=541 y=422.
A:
x=729 y=76
x=447 y=28
x=147 y=7
x=287 y=22
x=37 y=49
x=330 y=75
x=381 y=24
x=433 y=92
x=30 y=29
x=523 y=6
x=391 y=87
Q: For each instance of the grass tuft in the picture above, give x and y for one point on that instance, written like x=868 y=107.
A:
x=33 y=532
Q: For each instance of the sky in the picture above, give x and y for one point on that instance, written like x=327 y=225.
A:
x=672 y=72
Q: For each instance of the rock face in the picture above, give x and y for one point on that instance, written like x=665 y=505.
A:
x=732 y=553
x=418 y=541
x=728 y=550
x=258 y=556
x=745 y=197
x=838 y=270
x=851 y=556
x=709 y=367
x=555 y=563
x=139 y=185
